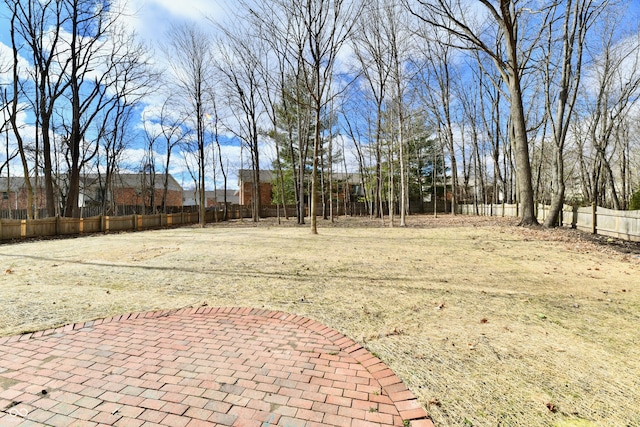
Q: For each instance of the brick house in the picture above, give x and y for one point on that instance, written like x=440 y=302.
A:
x=345 y=186
x=14 y=193
x=126 y=190
x=130 y=189
x=245 y=184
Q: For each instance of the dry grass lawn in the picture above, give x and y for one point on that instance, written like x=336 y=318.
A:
x=487 y=323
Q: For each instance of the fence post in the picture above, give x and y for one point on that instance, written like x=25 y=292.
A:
x=594 y=217
x=0 y=229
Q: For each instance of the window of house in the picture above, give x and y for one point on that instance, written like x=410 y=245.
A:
x=5 y=195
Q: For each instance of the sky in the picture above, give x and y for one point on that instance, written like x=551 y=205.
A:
x=152 y=21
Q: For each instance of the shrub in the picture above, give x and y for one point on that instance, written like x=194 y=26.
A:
x=634 y=204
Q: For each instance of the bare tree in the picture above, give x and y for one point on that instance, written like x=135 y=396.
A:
x=371 y=45
x=614 y=90
x=275 y=74
x=223 y=169
x=280 y=29
x=169 y=128
x=130 y=79
x=315 y=32
x=84 y=69
x=328 y=24
x=40 y=25
x=9 y=152
x=510 y=56
x=93 y=53
x=562 y=80
x=240 y=62
x=14 y=109
x=356 y=121
x=471 y=98
x=190 y=58
x=442 y=76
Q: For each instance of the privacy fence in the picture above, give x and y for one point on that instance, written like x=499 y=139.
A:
x=594 y=219
x=12 y=229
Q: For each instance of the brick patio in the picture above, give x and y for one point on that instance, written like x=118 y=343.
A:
x=199 y=367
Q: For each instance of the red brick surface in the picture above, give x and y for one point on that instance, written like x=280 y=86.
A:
x=199 y=367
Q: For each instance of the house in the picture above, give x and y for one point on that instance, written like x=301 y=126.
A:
x=130 y=189
x=213 y=198
x=245 y=184
x=126 y=190
x=346 y=186
x=14 y=193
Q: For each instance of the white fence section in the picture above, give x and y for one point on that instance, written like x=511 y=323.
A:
x=594 y=219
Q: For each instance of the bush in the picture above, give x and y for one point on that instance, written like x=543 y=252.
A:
x=634 y=204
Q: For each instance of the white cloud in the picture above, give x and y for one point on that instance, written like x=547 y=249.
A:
x=152 y=19
x=6 y=61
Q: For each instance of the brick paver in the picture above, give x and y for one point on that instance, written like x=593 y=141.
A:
x=199 y=367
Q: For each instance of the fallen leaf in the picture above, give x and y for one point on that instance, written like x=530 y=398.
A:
x=395 y=331
x=483 y=320
x=435 y=402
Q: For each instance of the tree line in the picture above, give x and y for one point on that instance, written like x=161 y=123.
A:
x=483 y=101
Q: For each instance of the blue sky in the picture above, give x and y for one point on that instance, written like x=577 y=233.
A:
x=152 y=20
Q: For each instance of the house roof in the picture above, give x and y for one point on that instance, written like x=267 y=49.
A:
x=350 y=177
x=246 y=175
x=134 y=180
x=122 y=180
x=191 y=197
x=15 y=183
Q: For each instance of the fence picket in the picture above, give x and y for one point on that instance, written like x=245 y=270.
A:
x=623 y=225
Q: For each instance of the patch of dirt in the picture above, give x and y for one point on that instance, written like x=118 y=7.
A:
x=487 y=323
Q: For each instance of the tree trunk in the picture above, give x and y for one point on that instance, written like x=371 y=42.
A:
x=557 y=197
x=525 y=188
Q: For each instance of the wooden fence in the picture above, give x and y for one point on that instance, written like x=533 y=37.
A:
x=13 y=229
x=593 y=219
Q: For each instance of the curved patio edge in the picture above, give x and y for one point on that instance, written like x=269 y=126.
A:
x=392 y=386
